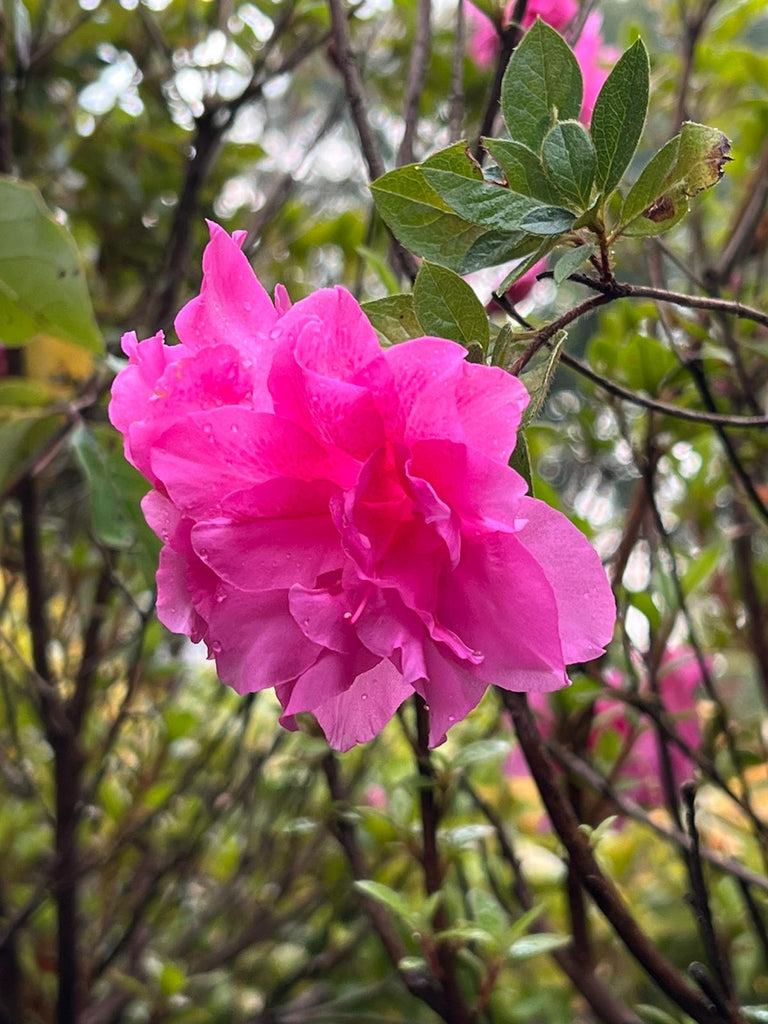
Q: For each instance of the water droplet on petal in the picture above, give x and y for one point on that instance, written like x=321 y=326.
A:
x=426 y=707
x=451 y=718
x=203 y=552
x=207 y=428
x=477 y=654
x=216 y=647
x=235 y=429
x=220 y=598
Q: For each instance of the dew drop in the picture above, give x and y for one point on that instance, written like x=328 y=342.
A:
x=203 y=552
x=364 y=697
x=451 y=718
x=477 y=654
x=347 y=616
x=216 y=647
x=426 y=707
x=220 y=598
x=207 y=428
x=235 y=429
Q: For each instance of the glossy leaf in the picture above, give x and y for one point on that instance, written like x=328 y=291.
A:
x=522 y=168
x=418 y=216
x=446 y=306
x=548 y=220
x=569 y=160
x=393 y=317
x=570 y=262
x=483 y=203
x=619 y=115
x=542 y=84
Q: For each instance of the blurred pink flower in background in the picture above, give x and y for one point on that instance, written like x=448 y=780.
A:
x=339 y=520
x=595 y=59
x=639 y=773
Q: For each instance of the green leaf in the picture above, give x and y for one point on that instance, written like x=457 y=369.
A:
x=569 y=160
x=692 y=161
x=534 y=945
x=548 y=220
x=42 y=282
x=111 y=526
x=619 y=115
x=542 y=84
x=525 y=266
x=390 y=898
x=487 y=912
x=417 y=215
x=481 y=202
x=394 y=317
x=653 y=181
x=380 y=267
x=446 y=306
x=701 y=568
x=538 y=379
x=522 y=169
x=757 y=1014
x=521 y=461
x=172 y=979
x=645 y=363
x=570 y=262
x=480 y=750
x=496 y=247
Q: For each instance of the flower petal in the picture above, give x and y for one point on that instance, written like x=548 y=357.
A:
x=232 y=307
x=586 y=609
x=362 y=711
x=256 y=642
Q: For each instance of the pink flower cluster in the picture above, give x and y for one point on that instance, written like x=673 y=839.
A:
x=340 y=521
x=639 y=767
x=593 y=56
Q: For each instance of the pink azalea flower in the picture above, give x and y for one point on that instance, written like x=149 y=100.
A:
x=340 y=521
x=640 y=769
x=484 y=39
x=594 y=58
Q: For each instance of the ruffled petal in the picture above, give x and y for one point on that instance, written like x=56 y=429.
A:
x=362 y=711
x=586 y=610
x=256 y=642
x=232 y=307
x=501 y=604
x=215 y=452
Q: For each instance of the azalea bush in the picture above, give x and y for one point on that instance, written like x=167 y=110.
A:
x=383 y=608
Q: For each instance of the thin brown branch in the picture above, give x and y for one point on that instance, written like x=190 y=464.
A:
x=599 y=886
x=421 y=986
x=692 y=415
x=456 y=110
x=624 y=290
x=509 y=38
x=603 y=1002
x=417 y=76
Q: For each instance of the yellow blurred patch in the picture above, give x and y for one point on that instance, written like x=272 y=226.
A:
x=57 y=363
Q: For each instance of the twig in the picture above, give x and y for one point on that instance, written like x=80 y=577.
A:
x=347 y=65
x=458 y=1012
x=602 y=890
x=581 y=769
x=600 y=998
x=509 y=39
x=417 y=75
x=693 y=415
x=456 y=114
x=624 y=290
x=421 y=986
x=700 y=898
